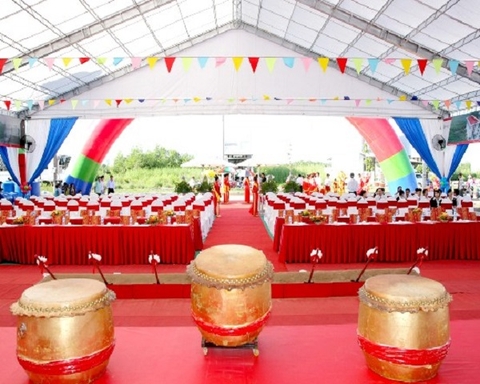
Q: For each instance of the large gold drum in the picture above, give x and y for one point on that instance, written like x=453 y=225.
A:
x=65 y=330
x=230 y=294
x=403 y=326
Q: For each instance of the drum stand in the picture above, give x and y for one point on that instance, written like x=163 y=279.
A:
x=253 y=346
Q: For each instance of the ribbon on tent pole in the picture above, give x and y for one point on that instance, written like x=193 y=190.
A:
x=389 y=151
x=93 y=153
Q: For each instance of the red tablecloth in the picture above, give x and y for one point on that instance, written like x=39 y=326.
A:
x=396 y=242
x=70 y=245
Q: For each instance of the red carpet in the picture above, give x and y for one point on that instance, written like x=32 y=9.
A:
x=302 y=354
x=237 y=226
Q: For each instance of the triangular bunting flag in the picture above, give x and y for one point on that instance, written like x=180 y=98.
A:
x=62 y=101
x=425 y=102
x=447 y=103
x=342 y=63
x=277 y=98
x=74 y=103
x=169 y=63
x=323 y=101
x=186 y=100
x=49 y=61
x=307 y=61
x=323 y=62
x=373 y=63
x=128 y=101
x=289 y=61
x=414 y=98
x=208 y=98
x=253 y=63
x=202 y=61
x=141 y=100
x=187 y=63
x=289 y=101
x=242 y=99
x=437 y=64
x=346 y=97
x=270 y=61
x=458 y=104
x=389 y=60
x=102 y=60
x=136 y=62
x=16 y=62
x=175 y=100
x=117 y=60
x=85 y=102
x=51 y=102
x=152 y=61
x=31 y=61
x=237 y=62
x=266 y=97
x=469 y=64
x=197 y=99
x=358 y=62
x=468 y=103
x=336 y=98
x=231 y=100
x=84 y=60
x=422 y=64
x=368 y=101
x=219 y=61
x=2 y=63
x=118 y=102
x=453 y=65
x=406 y=63
x=357 y=102
x=389 y=101
x=312 y=100
x=41 y=104
x=108 y=102
x=435 y=103
x=403 y=98
x=18 y=104
x=7 y=104
x=66 y=61
x=96 y=103
x=30 y=104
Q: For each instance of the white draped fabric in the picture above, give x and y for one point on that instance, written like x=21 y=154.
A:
x=39 y=131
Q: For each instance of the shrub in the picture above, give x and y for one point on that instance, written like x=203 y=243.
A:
x=291 y=187
x=183 y=187
x=269 y=186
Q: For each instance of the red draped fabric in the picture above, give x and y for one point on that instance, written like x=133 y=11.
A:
x=395 y=242
x=69 y=245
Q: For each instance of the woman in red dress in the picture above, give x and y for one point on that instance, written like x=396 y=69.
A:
x=255 y=191
x=217 y=196
x=246 y=186
x=226 y=188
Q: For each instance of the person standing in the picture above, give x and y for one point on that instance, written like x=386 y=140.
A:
x=226 y=188
x=98 y=186
x=352 y=184
x=246 y=187
x=255 y=191
x=217 y=196
x=111 y=185
x=328 y=183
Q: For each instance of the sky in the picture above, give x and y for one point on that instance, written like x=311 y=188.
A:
x=309 y=138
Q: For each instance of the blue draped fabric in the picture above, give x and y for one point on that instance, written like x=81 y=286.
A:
x=59 y=130
x=6 y=161
x=413 y=131
x=457 y=157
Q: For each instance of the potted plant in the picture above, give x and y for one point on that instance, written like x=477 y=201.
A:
x=291 y=187
x=182 y=187
x=205 y=186
x=269 y=186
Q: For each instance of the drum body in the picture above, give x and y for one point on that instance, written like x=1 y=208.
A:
x=65 y=331
x=230 y=293
x=403 y=326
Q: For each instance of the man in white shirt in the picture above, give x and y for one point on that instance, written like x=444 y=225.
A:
x=111 y=185
x=352 y=184
x=192 y=183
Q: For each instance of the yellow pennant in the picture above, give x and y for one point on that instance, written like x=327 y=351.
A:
x=266 y=97
x=197 y=99
x=186 y=62
x=51 y=102
x=16 y=62
x=74 y=103
x=270 y=61
x=336 y=98
x=323 y=61
x=128 y=101
x=468 y=103
x=403 y=98
x=406 y=63
x=152 y=61
x=66 y=61
x=237 y=62
x=435 y=103
x=358 y=62
x=109 y=102
x=437 y=64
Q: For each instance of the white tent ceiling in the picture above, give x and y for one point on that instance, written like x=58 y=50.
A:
x=38 y=39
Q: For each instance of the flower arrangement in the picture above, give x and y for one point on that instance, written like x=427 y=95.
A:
x=153 y=220
x=319 y=219
x=170 y=213
x=19 y=220
x=416 y=210
x=443 y=217
x=25 y=188
x=305 y=213
x=56 y=213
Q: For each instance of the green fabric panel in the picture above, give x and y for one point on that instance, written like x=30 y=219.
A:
x=85 y=169
x=396 y=166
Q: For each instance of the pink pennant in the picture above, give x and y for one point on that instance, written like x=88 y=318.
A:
x=389 y=60
x=306 y=63
x=357 y=102
x=253 y=63
x=469 y=64
x=2 y=63
x=219 y=61
x=41 y=104
x=136 y=61
x=49 y=61
x=96 y=103
x=289 y=101
x=425 y=102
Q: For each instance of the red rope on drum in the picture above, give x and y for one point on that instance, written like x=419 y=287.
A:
x=404 y=356
x=222 y=330
x=68 y=366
